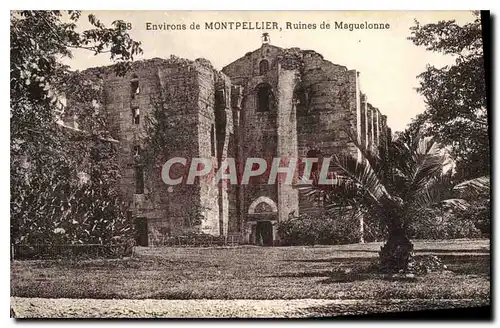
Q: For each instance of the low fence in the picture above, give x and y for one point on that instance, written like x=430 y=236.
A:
x=89 y=251
x=196 y=241
x=57 y=251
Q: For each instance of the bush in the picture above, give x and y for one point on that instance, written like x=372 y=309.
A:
x=320 y=229
x=325 y=229
x=480 y=215
x=52 y=204
x=425 y=264
x=437 y=224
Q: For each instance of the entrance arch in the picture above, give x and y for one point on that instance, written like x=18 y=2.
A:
x=263 y=212
x=265 y=203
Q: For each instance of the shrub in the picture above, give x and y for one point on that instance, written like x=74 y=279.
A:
x=480 y=215
x=319 y=229
x=425 y=264
x=438 y=224
x=325 y=229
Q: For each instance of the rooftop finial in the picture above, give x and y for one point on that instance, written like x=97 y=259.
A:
x=266 y=38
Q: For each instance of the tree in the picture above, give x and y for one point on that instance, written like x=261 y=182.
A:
x=394 y=186
x=49 y=201
x=455 y=95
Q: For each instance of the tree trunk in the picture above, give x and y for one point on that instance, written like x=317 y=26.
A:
x=361 y=229
x=397 y=251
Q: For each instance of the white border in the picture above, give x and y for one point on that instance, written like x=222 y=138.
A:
x=205 y=5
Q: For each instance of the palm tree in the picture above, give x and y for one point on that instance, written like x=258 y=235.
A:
x=394 y=185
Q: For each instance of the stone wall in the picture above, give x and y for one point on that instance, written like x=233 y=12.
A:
x=288 y=196
x=326 y=101
x=258 y=130
x=186 y=90
x=314 y=105
x=332 y=111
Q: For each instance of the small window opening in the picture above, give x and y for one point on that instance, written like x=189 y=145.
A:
x=220 y=98
x=212 y=140
x=137 y=150
x=139 y=179
x=264 y=97
x=136 y=115
x=263 y=67
x=134 y=86
x=301 y=101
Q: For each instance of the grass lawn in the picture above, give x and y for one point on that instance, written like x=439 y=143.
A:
x=251 y=272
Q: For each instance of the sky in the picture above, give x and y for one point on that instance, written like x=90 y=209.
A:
x=388 y=63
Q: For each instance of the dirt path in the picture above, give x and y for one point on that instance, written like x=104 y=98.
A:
x=99 y=308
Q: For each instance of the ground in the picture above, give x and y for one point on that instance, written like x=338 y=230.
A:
x=270 y=281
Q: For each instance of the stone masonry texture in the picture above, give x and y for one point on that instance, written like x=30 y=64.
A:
x=272 y=102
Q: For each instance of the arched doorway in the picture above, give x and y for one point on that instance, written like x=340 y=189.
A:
x=141 y=232
x=264 y=233
x=262 y=214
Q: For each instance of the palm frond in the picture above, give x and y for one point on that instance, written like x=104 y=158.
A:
x=356 y=184
x=351 y=211
x=339 y=191
x=434 y=192
x=441 y=191
x=457 y=203
x=362 y=174
x=372 y=157
x=421 y=164
x=473 y=187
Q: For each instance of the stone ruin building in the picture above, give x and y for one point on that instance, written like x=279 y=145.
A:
x=272 y=102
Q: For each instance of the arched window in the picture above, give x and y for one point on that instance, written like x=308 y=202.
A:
x=134 y=86
x=263 y=67
x=264 y=97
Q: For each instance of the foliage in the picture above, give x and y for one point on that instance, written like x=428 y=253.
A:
x=439 y=224
x=320 y=229
x=455 y=95
x=194 y=216
x=72 y=252
x=58 y=207
x=50 y=202
x=479 y=213
x=425 y=264
x=394 y=185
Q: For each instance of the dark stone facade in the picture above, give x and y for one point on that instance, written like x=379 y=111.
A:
x=273 y=102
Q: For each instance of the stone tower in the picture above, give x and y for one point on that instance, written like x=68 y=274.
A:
x=273 y=104
x=268 y=130
x=196 y=99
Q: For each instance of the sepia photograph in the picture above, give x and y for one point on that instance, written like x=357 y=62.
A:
x=250 y=164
